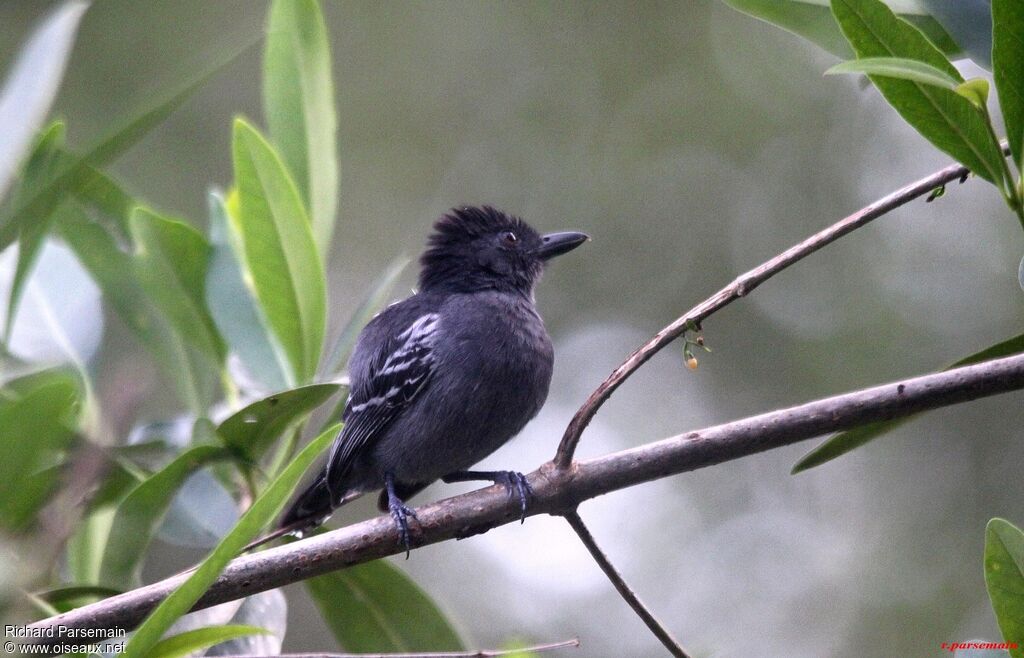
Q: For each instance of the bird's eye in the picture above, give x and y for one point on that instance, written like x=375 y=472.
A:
x=509 y=237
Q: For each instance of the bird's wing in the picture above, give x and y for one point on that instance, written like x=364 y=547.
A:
x=397 y=372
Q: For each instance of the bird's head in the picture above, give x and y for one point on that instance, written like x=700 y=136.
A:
x=482 y=248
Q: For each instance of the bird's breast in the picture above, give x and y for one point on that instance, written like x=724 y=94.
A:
x=505 y=353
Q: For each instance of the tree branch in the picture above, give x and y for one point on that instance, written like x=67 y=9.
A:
x=740 y=287
x=558 y=491
x=655 y=626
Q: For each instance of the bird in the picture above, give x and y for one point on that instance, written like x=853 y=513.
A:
x=443 y=378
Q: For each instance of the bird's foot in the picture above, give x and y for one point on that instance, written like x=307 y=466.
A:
x=513 y=481
x=400 y=514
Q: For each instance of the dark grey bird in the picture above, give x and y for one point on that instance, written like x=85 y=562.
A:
x=445 y=377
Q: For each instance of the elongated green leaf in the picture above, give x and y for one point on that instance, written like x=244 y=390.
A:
x=235 y=310
x=171 y=261
x=67 y=598
x=814 y=22
x=1008 y=70
x=140 y=513
x=897 y=67
x=279 y=250
x=192 y=370
x=85 y=547
x=374 y=607
x=943 y=117
x=80 y=173
x=370 y=306
x=39 y=167
x=37 y=418
x=844 y=442
x=108 y=196
x=298 y=99
x=97 y=190
x=250 y=431
x=1004 y=578
x=185 y=643
x=263 y=511
x=32 y=85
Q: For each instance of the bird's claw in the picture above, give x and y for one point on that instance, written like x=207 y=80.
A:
x=516 y=482
x=513 y=481
x=400 y=513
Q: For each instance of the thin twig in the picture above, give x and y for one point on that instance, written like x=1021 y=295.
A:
x=557 y=491
x=740 y=287
x=662 y=633
x=482 y=653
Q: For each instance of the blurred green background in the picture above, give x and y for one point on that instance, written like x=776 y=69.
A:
x=692 y=143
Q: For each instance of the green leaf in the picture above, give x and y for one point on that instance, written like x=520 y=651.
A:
x=98 y=190
x=298 y=99
x=897 y=67
x=1004 y=578
x=72 y=596
x=80 y=173
x=185 y=643
x=32 y=85
x=234 y=308
x=250 y=431
x=40 y=165
x=263 y=511
x=1008 y=70
x=374 y=607
x=171 y=261
x=112 y=269
x=370 y=306
x=844 y=442
x=140 y=513
x=946 y=119
x=810 y=21
x=974 y=90
x=37 y=419
x=279 y=250
x=814 y=22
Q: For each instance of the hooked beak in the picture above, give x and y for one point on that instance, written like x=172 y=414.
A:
x=556 y=244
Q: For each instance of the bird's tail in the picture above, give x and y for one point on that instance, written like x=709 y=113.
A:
x=311 y=507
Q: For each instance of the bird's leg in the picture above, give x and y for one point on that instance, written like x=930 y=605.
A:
x=513 y=481
x=399 y=512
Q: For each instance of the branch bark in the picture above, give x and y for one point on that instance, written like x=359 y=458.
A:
x=740 y=287
x=558 y=491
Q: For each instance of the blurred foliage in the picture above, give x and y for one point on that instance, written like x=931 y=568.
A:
x=919 y=82
x=214 y=309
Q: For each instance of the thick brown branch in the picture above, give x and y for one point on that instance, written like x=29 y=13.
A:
x=740 y=287
x=655 y=626
x=558 y=491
